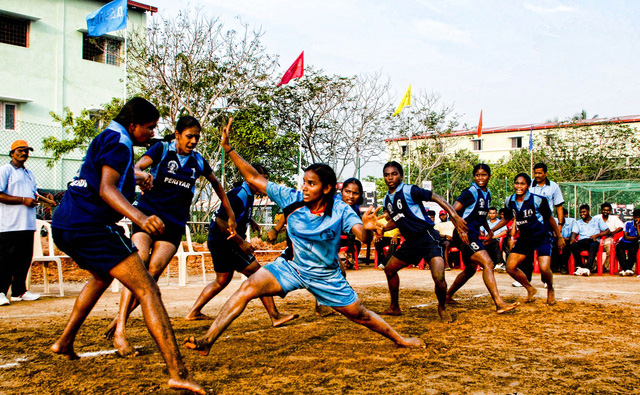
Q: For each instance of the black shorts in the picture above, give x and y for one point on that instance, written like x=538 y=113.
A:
x=426 y=247
x=172 y=233
x=227 y=257
x=99 y=249
x=475 y=245
x=527 y=245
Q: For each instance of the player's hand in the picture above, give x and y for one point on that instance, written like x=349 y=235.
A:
x=152 y=225
x=459 y=223
x=464 y=237
x=560 y=243
x=272 y=235
x=231 y=227
x=145 y=181
x=247 y=247
x=370 y=220
x=224 y=136
x=394 y=240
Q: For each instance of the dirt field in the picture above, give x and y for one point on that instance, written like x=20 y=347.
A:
x=588 y=343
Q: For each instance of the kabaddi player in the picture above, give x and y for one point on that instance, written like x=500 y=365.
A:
x=474 y=203
x=534 y=220
x=404 y=203
x=231 y=253
x=84 y=227
x=168 y=191
x=314 y=223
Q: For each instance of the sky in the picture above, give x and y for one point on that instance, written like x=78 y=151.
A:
x=520 y=62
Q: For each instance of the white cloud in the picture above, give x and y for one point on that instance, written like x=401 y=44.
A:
x=433 y=30
x=549 y=10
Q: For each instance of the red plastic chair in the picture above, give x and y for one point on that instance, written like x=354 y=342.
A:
x=585 y=254
x=613 y=260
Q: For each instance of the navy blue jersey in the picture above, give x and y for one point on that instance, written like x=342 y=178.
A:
x=531 y=215
x=82 y=207
x=241 y=200
x=407 y=211
x=174 y=182
x=476 y=205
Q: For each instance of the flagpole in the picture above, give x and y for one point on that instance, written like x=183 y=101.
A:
x=300 y=152
x=124 y=89
x=531 y=150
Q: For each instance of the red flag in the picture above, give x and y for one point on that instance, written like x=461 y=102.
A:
x=480 y=125
x=295 y=71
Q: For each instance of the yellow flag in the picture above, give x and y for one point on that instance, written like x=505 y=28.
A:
x=406 y=101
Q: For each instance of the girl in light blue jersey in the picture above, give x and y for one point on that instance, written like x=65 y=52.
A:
x=314 y=223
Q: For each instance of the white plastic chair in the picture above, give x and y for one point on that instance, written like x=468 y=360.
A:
x=38 y=256
x=115 y=284
x=183 y=256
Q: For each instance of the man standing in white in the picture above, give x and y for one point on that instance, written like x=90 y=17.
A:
x=18 y=199
x=615 y=226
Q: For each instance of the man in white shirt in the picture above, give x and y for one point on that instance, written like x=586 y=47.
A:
x=18 y=200
x=615 y=226
x=493 y=246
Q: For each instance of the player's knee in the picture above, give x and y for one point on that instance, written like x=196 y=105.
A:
x=248 y=290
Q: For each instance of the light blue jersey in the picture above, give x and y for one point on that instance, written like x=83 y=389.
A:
x=315 y=239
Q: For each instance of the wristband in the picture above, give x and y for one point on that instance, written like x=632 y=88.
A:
x=228 y=152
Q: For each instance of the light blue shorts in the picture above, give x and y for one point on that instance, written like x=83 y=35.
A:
x=333 y=290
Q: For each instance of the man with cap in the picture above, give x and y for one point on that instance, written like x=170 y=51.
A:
x=445 y=228
x=18 y=200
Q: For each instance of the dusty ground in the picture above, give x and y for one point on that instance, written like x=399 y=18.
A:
x=588 y=343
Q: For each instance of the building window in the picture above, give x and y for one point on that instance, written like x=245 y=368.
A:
x=405 y=150
x=516 y=142
x=8 y=113
x=477 y=144
x=101 y=50
x=14 y=31
x=550 y=139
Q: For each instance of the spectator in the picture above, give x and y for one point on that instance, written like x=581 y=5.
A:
x=560 y=258
x=584 y=237
x=432 y=215
x=545 y=187
x=493 y=244
x=445 y=228
x=18 y=200
x=627 y=248
x=615 y=226
x=390 y=238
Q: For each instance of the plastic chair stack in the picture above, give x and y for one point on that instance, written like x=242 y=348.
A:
x=39 y=256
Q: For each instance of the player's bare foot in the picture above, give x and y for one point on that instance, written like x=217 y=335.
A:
x=282 y=318
x=392 y=311
x=551 y=297
x=111 y=329
x=197 y=344
x=507 y=307
x=444 y=314
x=66 y=351
x=531 y=292
x=411 y=342
x=182 y=384
x=452 y=301
x=197 y=317
x=324 y=311
x=123 y=347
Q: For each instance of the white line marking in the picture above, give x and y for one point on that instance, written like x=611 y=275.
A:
x=15 y=363
x=91 y=354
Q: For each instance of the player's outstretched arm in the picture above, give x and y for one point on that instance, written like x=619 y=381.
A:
x=217 y=187
x=143 y=179
x=458 y=222
x=364 y=231
x=251 y=176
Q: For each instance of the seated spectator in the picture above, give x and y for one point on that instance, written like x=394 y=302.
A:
x=493 y=246
x=560 y=259
x=614 y=224
x=390 y=238
x=627 y=248
x=445 y=228
x=585 y=236
x=432 y=215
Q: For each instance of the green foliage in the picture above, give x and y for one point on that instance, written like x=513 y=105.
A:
x=82 y=129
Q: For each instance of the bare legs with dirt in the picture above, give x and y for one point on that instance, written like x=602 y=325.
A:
x=263 y=283
x=221 y=282
x=133 y=275
x=436 y=265
x=545 y=272
x=480 y=258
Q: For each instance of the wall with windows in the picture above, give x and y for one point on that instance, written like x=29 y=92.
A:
x=47 y=63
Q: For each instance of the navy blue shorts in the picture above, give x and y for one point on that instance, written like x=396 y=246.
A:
x=425 y=247
x=98 y=249
x=172 y=233
x=527 y=245
x=475 y=245
x=227 y=256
